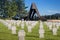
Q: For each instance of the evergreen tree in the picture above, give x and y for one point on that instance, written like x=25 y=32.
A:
x=21 y=7
x=11 y=8
x=2 y=6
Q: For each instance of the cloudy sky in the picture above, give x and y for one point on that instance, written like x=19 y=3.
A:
x=45 y=7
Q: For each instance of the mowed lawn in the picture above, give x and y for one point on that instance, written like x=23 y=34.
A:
x=6 y=34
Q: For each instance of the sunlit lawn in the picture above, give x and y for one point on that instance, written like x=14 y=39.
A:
x=6 y=34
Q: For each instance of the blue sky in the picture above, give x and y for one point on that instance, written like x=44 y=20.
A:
x=45 y=7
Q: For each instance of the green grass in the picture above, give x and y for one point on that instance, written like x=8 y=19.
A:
x=49 y=35
x=34 y=35
x=6 y=34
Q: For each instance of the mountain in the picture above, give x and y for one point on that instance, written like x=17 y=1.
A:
x=57 y=14
x=53 y=16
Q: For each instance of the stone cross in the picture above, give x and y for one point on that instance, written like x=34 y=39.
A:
x=21 y=35
x=50 y=26
x=22 y=25
x=9 y=26
x=41 y=32
x=13 y=30
x=54 y=30
x=57 y=25
x=29 y=28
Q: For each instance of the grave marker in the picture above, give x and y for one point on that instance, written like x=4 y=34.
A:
x=21 y=35
x=13 y=30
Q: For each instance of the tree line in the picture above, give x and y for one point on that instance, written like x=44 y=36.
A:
x=11 y=8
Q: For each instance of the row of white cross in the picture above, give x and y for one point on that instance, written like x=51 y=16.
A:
x=11 y=25
x=53 y=26
x=41 y=30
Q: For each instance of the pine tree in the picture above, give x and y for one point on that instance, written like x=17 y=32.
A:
x=21 y=7
x=2 y=6
x=11 y=8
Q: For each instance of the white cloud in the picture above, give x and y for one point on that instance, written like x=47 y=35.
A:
x=53 y=11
